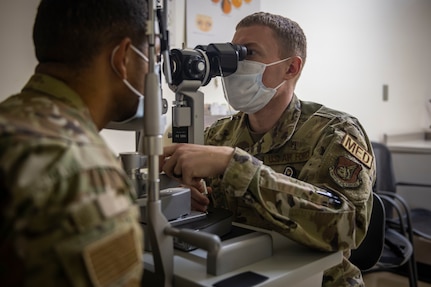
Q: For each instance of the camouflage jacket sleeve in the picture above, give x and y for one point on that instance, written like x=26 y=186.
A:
x=61 y=214
x=326 y=207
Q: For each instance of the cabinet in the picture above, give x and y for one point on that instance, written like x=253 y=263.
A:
x=411 y=155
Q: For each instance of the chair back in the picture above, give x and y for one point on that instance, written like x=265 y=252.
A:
x=371 y=248
x=385 y=176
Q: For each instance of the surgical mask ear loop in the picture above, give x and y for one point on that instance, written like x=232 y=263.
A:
x=142 y=55
x=112 y=60
x=278 y=62
x=136 y=92
x=281 y=84
x=275 y=63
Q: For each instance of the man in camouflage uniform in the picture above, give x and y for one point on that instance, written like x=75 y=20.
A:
x=68 y=213
x=296 y=167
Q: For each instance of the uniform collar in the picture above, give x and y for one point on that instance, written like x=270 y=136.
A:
x=282 y=131
x=55 y=88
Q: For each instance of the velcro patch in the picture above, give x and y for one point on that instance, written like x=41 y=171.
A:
x=112 y=258
x=357 y=151
x=111 y=203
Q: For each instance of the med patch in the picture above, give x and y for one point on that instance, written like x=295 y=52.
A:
x=357 y=150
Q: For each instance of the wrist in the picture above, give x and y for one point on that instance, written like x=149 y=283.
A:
x=240 y=171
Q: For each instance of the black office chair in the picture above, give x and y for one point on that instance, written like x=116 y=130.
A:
x=398 y=252
x=369 y=252
x=386 y=181
x=386 y=247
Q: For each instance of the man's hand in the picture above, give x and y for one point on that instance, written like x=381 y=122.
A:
x=190 y=163
x=199 y=198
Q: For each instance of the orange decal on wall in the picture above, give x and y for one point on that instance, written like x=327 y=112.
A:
x=237 y=3
x=226 y=5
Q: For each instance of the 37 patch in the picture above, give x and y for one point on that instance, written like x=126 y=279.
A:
x=346 y=172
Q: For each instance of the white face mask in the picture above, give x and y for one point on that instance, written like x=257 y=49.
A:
x=140 y=109
x=245 y=90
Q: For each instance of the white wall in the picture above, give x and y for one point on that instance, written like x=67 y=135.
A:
x=17 y=60
x=355 y=47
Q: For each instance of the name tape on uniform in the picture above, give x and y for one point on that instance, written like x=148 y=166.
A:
x=357 y=150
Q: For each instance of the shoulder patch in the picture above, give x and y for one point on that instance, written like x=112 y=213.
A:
x=357 y=150
x=346 y=173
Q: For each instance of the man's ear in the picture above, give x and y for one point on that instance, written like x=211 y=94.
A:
x=295 y=67
x=120 y=58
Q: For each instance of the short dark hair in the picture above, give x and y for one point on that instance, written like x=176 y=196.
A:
x=74 y=31
x=291 y=37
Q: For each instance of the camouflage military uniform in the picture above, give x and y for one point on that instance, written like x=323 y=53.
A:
x=67 y=212
x=308 y=178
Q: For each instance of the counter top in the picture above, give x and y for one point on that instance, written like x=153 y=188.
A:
x=417 y=142
x=290 y=265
